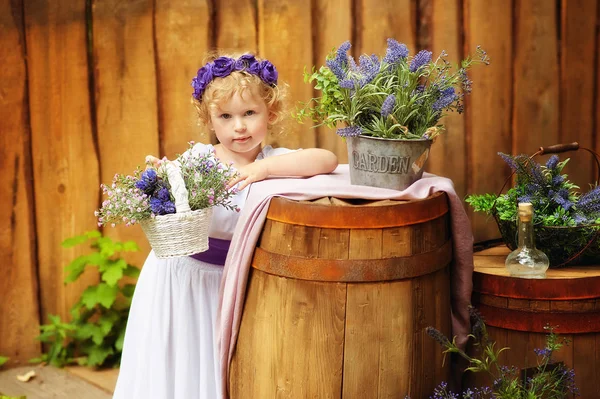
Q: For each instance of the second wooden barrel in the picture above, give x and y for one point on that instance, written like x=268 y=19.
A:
x=516 y=311
x=338 y=299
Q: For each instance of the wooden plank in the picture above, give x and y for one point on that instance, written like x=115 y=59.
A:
x=597 y=132
x=488 y=108
x=281 y=24
x=291 y=338
x=19 y=311
x=333 y=25
x=365 y=244
x=536 y=82
x=333 y=243
x=65 y=158
x=105 y=379
x=377 y=20
x=584 y=363
x=125 y=94
x=49 y=382
x=240 y=14
x=448 y=153
x=179 y=27
x=577 y=66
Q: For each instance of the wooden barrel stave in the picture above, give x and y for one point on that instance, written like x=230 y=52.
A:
x=328 y=339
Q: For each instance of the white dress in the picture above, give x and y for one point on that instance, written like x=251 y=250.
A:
x=170 y=348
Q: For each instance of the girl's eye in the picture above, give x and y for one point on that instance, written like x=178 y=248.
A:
x=225 y=116
x=250 y=112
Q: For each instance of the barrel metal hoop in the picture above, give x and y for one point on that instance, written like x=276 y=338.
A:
x=353 y=270
x=354 y=217
x=535 y=321
x=546 y=289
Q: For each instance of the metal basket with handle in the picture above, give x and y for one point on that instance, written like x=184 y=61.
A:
x=564 y=245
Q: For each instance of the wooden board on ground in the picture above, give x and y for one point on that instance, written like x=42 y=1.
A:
x=104 y=379
x=49 y=382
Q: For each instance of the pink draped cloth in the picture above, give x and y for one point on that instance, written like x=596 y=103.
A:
x=336 y=184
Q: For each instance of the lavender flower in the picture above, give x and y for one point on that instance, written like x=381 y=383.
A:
x=395 y=52
x=446 y=98
x=350 y=131
x=347 y=84
x=160 y=207
x=422 y=58
x=552 y=162
x=369 y=68
x=339 y=63
x=388 y=106
x=147 y=182
x=557 y=180
x=545 y=352
x=438 y=336
x=590 y=201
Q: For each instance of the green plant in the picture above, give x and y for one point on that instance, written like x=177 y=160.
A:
x=3 y=359
x=547 y=380
x=12 y=397
x=398 y=96
x=94 y=336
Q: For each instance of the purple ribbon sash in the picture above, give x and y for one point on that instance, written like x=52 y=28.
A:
x=216 y=253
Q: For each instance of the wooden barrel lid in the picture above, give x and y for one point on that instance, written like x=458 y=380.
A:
x=373 y=215
x=571 y=283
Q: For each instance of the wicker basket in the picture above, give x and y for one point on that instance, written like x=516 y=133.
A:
x=564 y=245
x=182 y=233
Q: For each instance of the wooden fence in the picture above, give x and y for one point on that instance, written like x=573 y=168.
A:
x=88 y=88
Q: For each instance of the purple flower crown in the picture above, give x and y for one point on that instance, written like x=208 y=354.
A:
x=224 y=66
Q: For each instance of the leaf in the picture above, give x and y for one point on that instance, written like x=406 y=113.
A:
x=3 y=359
x=131 y=271
x=106 y=294
x=130 y=246
x=128 y=290
x=107 y=321
x=75 y=268
x=93 y=234
x=120 y=338
x=73 y=241
x=98 y=354
x=113 y=271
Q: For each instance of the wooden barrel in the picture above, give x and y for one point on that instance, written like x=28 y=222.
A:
x=516 y=311
x=338 y=299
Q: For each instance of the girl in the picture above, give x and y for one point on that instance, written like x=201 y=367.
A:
x=170 y=347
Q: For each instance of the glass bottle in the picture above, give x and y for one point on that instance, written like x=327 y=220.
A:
x=526 y=261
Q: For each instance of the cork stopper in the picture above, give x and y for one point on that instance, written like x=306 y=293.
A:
x=525 y=211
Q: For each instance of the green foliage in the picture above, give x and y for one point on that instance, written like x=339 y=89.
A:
x=547 y=380
x=388 y=97
x=3 y=359
x=328 y=104
x=94 y=336
x=12 y=397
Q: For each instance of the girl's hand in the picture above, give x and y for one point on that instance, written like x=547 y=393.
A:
x=153 y=162
x=256 y=171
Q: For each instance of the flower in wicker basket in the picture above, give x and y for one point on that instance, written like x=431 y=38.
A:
x=172 y=203
x=566 y=221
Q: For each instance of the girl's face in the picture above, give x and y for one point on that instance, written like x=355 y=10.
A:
x=240 y=123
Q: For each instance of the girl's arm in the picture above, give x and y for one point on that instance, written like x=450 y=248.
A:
x=309 y=162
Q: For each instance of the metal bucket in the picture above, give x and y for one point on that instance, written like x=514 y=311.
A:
x=386 y=163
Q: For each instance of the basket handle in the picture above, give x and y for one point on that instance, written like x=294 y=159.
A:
x=558 y=148
x=180 y=193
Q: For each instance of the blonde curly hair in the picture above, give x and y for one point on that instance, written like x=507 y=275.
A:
x=222 y=89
